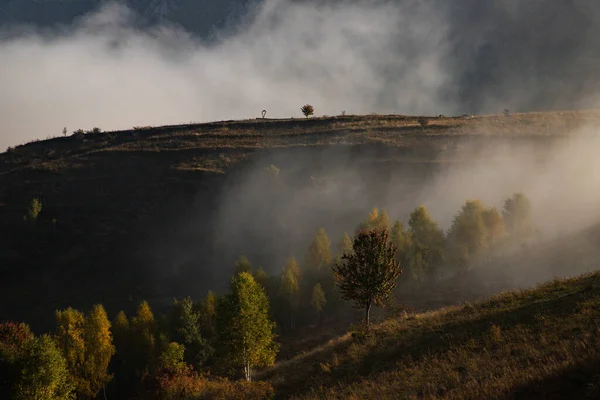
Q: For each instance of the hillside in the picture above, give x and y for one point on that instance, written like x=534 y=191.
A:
x=156 y=212
x=538 y=343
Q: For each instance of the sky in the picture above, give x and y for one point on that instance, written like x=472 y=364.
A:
x=401 y=57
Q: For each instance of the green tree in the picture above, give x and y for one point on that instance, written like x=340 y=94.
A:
x=318 y=300
x=368 y=275
x=427 y=242
x=44 y=374
x=246 y=333
x=243 y=265
x=290 y=287
x=186 y=329
x=517 y=217
x=318 y=255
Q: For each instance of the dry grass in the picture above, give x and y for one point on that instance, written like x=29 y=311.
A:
x=540 y=343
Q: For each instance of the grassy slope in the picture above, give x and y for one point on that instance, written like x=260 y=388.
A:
x=539 y=343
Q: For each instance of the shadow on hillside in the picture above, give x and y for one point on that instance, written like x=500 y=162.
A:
x=577 y=382
x=414 y=342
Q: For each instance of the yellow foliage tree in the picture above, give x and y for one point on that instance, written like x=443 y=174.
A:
x=70 y=339
x=99 y=349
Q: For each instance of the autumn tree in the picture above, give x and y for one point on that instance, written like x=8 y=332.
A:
x=121 y=363
x=44 y=373
x=246 y=334
x=468 y=236
x=261 y=276
x=144 y=346
x=186 y=329
x=427 y=244
x=496 y=230
x=517 y=217
x=318 y=255
x=99 y=350
x=70 y=338
x=243 y=265
x=368 y=274
x=207 y=310
x=289 y=287
x=377 y=219
x=318 y=300
x=33 y=211
x=86 y=344
x=13 y=337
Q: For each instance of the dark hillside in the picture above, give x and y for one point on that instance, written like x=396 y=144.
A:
x=162 y=211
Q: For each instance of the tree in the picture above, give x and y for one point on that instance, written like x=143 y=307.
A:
x=468 y=236
x=70 y=338
x=427 y=241
x=318 y=300
x=246 y=333
x=186 y=329
x=368 y=274
x=377 y=219
x=496 y=230
x=261 y=276
x=13 y=337
x=44 y=374
x=290 y=287
x=86 y=343
x=517 y=217
x=307 y=110
x=33 y=211
x=99 y=350
x=319 y=252
x=345 y=245
x=143 y=340
x=207 y=309
x=243 y=265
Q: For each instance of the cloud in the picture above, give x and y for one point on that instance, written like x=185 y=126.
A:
x=104 y=72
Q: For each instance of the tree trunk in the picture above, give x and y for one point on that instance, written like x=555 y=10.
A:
x=247 y=372
x=104 y=391
x=367 y=311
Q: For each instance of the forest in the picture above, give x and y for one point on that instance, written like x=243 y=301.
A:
x=212 y=347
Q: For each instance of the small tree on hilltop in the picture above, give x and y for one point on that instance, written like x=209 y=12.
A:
x=368 y=274
x=307 y=110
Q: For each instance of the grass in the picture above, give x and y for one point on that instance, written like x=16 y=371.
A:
x=538 y=343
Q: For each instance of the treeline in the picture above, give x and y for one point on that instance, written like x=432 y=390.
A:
x=209 y=348
x=172 y=356
x=302 y=293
